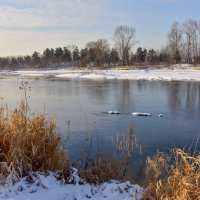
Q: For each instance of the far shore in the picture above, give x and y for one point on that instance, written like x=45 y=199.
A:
x=182 y=72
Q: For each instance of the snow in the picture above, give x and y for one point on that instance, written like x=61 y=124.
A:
x=176 y=74
x=46 y=187
x=113 y=112
x=141 y=114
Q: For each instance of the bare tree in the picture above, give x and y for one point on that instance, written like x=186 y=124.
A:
x=191 y=33
x=99 y=51
x=124 y=37
x=175 y=41
x=198 y=27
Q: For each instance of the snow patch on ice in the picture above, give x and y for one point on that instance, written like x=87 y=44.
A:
x=113 y=112
x=141 y=114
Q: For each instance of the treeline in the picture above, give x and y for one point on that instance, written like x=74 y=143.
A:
x=183 y=46
x=95 y=53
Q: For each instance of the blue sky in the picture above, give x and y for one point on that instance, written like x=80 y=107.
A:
x=28 y=25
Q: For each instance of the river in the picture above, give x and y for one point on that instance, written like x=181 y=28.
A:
x=80 y=108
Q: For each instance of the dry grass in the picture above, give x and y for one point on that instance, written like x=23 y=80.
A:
x=101 y=170
x=28 y=142
x=113 y=167
x=127 y=67
x=175 y=176
x=197 y=67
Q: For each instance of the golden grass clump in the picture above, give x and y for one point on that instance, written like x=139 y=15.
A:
x=112 y=167
x=197 y=67
x=102 y=170
x=173 y=177
x=29 y=142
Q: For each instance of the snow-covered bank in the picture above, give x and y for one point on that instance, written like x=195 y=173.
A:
x=154 y=74
x=46 y=187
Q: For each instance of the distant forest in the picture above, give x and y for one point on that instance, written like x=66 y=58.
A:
x=183 y=46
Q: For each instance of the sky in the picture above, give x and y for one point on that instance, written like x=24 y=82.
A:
x=33 y=25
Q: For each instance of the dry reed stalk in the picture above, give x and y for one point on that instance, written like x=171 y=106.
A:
x=175 y=176
x=29 y=142
x=102 y=169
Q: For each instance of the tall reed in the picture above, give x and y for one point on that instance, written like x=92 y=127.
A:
x=28 y=142
x=113 y=166
x=174 y=176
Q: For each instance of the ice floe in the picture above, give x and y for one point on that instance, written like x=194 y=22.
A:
x=113 y=112
x=141 y=114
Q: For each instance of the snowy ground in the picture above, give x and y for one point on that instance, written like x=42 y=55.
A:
x=47 y=187
x=143 y=74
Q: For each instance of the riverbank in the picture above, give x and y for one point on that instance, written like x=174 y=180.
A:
x=47 y=186
x=129 y=74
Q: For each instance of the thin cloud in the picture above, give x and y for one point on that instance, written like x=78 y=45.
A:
x=28 y=25
x=49 y=13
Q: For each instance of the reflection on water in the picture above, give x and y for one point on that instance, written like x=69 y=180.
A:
x=186 y=95
x=84 y=103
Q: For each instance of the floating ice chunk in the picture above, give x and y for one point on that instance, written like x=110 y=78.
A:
x=113 y=112
x=160 y=115
x=141 y=114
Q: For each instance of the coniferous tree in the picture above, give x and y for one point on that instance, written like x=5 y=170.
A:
x=35 y=58
x=76 y=55
x=67 y=55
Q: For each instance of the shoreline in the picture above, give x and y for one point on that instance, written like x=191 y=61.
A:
x=108 y=74
x=47 y=186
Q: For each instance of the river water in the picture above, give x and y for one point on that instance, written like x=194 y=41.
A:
x=80 y=108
